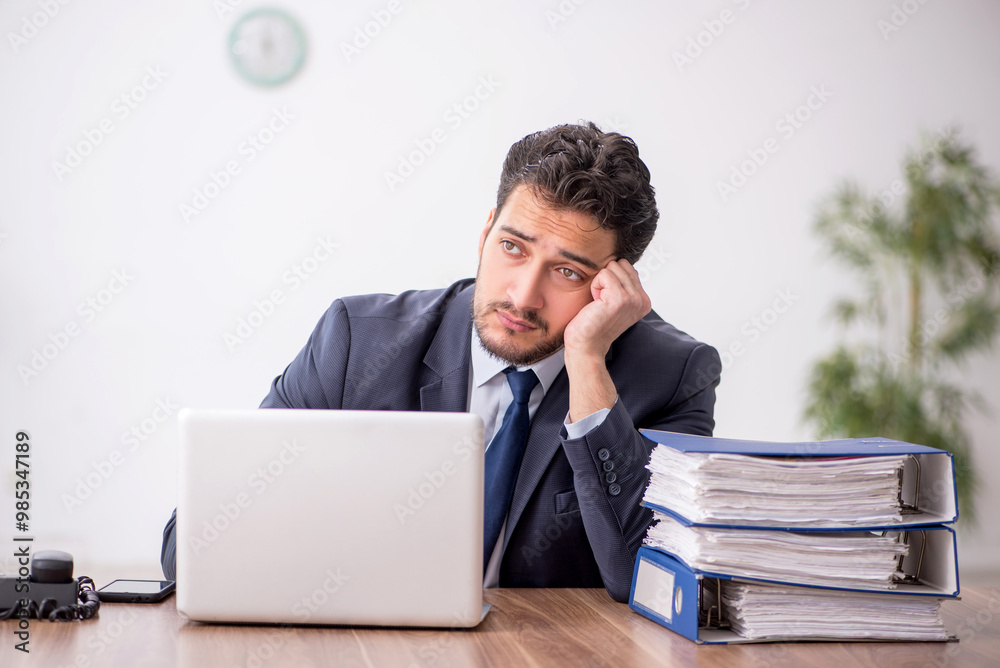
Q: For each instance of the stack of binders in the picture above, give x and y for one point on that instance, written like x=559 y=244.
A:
x=757 y=541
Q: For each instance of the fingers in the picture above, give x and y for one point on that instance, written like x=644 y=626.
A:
x=621 y=276
x=619 y=302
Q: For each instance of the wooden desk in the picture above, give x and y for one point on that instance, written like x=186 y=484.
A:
x=527 y=627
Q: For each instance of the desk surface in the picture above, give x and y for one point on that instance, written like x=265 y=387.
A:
x=527 y=627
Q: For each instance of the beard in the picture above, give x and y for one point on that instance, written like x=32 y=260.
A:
x=504 y=346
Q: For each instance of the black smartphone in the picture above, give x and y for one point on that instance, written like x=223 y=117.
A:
x=136 y=591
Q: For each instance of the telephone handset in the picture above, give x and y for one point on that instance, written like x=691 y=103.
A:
x=46 y=589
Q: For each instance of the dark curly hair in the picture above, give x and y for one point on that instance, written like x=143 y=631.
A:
x=580 y=168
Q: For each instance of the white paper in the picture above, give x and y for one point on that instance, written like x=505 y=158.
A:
x=853 y=560
x=721 y=488
x=760 y=611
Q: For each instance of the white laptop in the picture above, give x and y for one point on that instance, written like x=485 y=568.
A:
x=330 y=517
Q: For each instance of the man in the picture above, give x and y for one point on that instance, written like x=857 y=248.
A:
x=555 y=292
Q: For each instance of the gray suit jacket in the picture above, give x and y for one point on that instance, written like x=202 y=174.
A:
x=575 y=519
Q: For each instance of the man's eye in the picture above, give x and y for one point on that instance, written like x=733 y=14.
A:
x=570 y=274
x=509 y=246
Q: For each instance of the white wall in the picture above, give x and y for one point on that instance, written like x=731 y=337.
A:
x=713 y=265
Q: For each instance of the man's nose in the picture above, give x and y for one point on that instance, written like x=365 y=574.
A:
x=526 y=292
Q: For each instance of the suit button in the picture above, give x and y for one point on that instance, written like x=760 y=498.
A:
x=608 y=466
x=604 y=454
x=614 y=489
x=611 y=476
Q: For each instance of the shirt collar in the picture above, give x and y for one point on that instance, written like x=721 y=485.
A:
x=486 y=366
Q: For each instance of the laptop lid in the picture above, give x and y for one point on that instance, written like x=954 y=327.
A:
x=330 y=517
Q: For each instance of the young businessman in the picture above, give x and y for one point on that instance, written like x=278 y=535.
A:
x=555 y=293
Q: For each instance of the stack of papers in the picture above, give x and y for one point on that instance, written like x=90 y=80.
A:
x=825 y=540
x=850 y=560
x=724 y=488
x=761 y=611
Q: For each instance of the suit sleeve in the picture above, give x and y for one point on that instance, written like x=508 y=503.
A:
x=314 y=379
x=168 y=551
x=610 y=474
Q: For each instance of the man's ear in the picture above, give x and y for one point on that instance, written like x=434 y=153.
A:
x=486 y=230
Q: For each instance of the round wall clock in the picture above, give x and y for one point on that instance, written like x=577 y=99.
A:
x=268 y=47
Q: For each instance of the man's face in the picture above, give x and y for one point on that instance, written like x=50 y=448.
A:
x=535 y=269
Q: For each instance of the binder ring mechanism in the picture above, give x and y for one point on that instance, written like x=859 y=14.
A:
x=910 y=578
x=715 y=610
x=910 y=509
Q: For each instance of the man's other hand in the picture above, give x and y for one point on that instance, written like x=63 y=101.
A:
x=619 y=302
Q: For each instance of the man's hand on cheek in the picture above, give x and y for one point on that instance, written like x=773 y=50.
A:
x=619 y=302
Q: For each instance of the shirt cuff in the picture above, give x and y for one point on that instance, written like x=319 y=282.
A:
x=581 y=428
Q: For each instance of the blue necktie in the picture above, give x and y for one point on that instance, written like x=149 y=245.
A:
x=503 y=458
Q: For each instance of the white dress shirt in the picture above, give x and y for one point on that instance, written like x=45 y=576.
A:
x=489 y=397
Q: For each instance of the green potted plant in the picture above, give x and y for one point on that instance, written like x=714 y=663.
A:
x=926 y=254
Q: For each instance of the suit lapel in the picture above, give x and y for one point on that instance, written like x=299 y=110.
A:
x=447 y=385
x=543 y=442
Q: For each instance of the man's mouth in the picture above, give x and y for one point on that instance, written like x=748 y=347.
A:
x=512 y=323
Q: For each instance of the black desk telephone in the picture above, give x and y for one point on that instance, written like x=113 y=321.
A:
x=46 y=589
